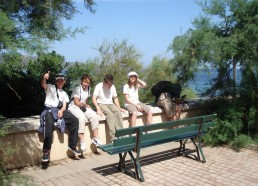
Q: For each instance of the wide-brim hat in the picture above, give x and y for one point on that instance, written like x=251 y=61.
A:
x=132 y=74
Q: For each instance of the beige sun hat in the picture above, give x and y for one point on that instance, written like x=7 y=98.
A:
x=132 y=74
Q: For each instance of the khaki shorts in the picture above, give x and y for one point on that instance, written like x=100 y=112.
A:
x=169 y=106
x=132 y=108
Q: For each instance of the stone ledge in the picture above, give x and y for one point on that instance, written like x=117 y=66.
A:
x=32 y=123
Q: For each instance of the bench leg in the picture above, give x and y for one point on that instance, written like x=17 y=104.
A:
x=182 y=148
x=199 y=150
x=137 y=167
x=121 y=164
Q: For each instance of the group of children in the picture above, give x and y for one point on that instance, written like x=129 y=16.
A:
x=105 y=100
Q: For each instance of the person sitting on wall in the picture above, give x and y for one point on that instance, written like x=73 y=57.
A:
x=106 y=102
x=56 y=115
x=83 y=111
x=132 y=103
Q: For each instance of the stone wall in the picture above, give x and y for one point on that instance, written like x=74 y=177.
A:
x=28 y=142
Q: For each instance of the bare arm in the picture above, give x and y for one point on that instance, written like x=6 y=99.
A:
x=44 y=80
x=77 y=102
x=141 y=83
x=116 y=101
x=94 y=101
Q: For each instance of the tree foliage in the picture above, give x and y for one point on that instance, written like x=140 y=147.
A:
x=224 y=37
x=30 y=24
x=21 y=93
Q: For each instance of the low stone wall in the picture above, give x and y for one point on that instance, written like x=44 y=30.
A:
x=28 y=142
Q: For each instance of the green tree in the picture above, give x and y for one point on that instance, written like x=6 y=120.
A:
x=30 y=25
x=223 y=38
x=21 y=89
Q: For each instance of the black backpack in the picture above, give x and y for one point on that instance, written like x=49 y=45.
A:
x=166 y=87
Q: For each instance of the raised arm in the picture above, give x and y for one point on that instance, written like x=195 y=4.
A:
x=44 y=80
x=141 y=83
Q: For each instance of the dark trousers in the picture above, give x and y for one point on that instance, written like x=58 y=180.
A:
x=71 y=122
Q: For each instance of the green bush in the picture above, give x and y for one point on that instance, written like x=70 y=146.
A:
x=240 y=141
x=224 y=131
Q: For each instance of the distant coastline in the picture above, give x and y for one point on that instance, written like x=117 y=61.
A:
x=203 y=80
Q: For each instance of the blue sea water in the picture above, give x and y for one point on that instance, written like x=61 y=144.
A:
x=203 y=80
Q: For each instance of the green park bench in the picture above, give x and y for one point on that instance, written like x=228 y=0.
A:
x=133 y=139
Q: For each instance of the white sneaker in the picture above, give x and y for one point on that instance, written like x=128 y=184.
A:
x=96 y=141
x=83 y=145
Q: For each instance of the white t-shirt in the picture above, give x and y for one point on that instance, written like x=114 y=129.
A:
x=78 y=92
x=132 y=93
x=51 y=96
x=104 y=95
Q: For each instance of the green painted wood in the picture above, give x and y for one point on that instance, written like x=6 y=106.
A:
x=158 y=134
x=168 y=124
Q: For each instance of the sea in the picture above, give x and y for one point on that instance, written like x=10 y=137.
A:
x=203 y=80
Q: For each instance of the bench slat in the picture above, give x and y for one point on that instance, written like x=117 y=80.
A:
x=188 y=121
x=157 y=135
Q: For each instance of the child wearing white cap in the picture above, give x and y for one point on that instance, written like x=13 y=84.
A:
x=132 y=103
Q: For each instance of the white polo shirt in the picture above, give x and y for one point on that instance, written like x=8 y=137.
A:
x=105 y=95
x=132 y=93
x=51 y=96
x=83 y=95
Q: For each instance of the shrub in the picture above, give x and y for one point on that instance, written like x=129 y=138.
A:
x=240 y=142
x=224 y=131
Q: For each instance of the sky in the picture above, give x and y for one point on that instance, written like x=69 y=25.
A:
x=149 y=25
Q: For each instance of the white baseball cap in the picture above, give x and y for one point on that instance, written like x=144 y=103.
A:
x=132 y=74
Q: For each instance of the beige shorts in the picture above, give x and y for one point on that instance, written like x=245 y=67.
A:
x=132 y=108
x=169 y=106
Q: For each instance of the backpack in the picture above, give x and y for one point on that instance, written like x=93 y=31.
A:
x=165 y=86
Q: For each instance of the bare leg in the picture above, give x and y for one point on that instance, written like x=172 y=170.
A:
x=81 y=136
x=149 y=118
x=133 y=119
x=95 y=133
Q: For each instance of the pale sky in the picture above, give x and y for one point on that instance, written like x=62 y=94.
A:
x=149 y=25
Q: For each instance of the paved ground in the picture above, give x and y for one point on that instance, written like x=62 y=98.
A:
x=160 y=166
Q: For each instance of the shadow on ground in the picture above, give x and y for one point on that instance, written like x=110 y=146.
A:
x=144 y=160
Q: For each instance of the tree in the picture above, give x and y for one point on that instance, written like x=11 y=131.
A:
x=21 y=89
x=30 y=24
x=223 y=38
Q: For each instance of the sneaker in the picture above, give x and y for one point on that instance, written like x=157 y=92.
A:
x=45 y=157
x=96 y=141
x=74 y=150
x=83 y=145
